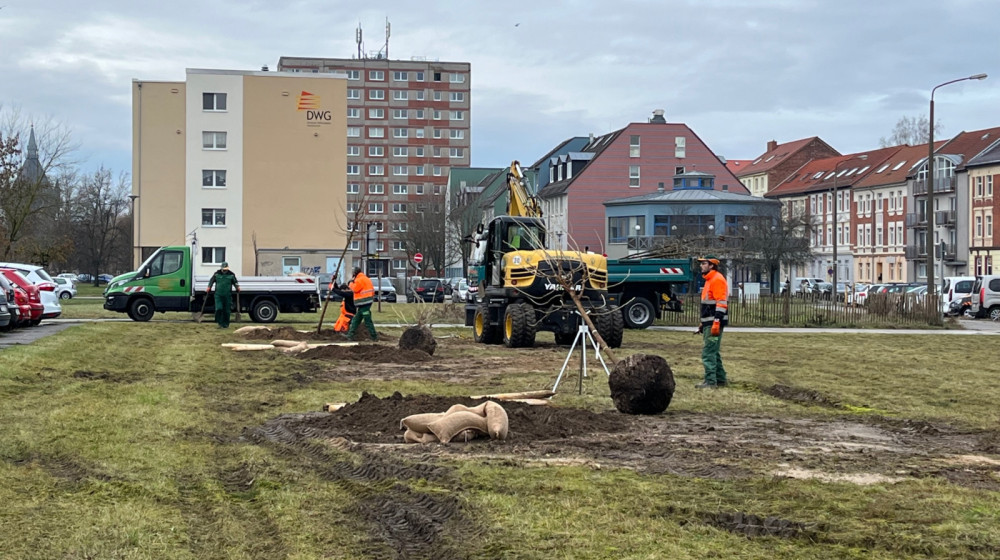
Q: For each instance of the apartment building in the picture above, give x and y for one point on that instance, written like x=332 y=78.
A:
x=243 y=166
x=408 y=124
x=984 y=244
x=768 y=170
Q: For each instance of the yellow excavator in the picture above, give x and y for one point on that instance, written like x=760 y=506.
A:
x=522 y=284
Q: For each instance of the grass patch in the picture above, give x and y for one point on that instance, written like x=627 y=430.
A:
x=124 y=440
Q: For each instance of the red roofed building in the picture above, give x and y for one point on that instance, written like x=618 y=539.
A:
x=780 y=161
x=984 y=178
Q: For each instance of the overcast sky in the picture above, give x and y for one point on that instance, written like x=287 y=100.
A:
x=738 y=72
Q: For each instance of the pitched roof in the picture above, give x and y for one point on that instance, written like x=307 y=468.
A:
x=990 y=155
x=818 y=174
x=774 y=157
x=897 y=167
x=553 y=151
x=594 y=146
x=688 y=195
x=969 y=144
x=737 y=165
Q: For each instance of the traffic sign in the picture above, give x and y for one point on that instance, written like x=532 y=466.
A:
x=418 y=258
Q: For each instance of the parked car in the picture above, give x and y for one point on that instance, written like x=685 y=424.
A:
x=986 y=297
x=955 y=288
x=70 y=276
x=84 y=278
x=65 y=288
x=6 y=317
x=432 y=290
x=324 y=288
x=7 y=296
x=460 y=290
x=24 y=307
x=38 y=276
x=385 y=291
x=35 y=307
x=104 y=278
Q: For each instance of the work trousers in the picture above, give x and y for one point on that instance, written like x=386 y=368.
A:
x=364 y=313
x=715 y=374
x=223 y=307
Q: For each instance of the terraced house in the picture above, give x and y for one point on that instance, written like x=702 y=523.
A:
x=984 y=245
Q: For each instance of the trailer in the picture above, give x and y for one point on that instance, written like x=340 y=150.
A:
x=647 y=288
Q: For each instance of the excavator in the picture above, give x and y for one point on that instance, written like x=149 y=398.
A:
x=523 y=285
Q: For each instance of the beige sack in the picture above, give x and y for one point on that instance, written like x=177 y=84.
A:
x=496 y=421
x=249 y=328
x=479 y=409
x=413 y=437
x=300 y=347
x=285 y=343
x=418 y=422
x=450 y=425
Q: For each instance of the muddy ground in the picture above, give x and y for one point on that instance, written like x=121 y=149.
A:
x=402 y=521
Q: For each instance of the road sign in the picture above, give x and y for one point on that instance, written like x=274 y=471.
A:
x=418 y=258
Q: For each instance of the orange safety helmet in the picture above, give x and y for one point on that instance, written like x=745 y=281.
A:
x=710 y=259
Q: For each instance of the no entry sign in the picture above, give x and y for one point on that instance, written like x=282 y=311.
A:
x=418 y=258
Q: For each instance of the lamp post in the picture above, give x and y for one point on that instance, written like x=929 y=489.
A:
x=836 y=204
x=135 y=229
x=929 y=243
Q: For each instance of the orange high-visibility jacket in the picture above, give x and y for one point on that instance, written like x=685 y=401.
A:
x=364 y=291
x=344 y=321
x=714 y=298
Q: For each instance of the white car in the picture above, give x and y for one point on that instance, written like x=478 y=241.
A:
x=46 y=285
x=65 y=288
x=459 y=290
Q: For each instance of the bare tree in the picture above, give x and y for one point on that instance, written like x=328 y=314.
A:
x=100 y=208
x=910 y=130
x=425 y=234
x=462 y=219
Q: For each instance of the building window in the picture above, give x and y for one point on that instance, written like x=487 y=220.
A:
x=399 y=133
x=376 y=170
x=213 y=140
x=353 y=169
x=438 y=170
x=353 y=113
x=418 y=151
x=213 y=101
x=438 y=96
x=633 y=145
x=418 y=133
x=436 y=115
x=418 y=170
x=398 y=245
x=376 y=94
x=399 y=114
x=436 y=151
x=213 y=178
x=400 y=151
x=354 y=132
x=400 y=227
x=418 y=114
x=437 y=189
x=376 y=132
x=457 y=115
x=213 y=217
x=419 y=95
x=457 y=134
x=420 y=189
x=680 y=145
x=437 y=133
x=633 y=175
x=376 y=75
x=621 y=228
x=456 y=152
x=399 y=189
x=419 y=76
x=355 y=245
x=376 y=113
x=375 y=208
x=352 y=207
x=376 y=151
x=376 y=188
x=353 y=93
x=400 y=170
x=398 y=208
x=399 y=264
x=979 y=226
x=989 y=225
x=456 y=97
x=213 y=255
x=989 y=185
x=353 y=188
x=457 y=78
x=354 y=74
x=354 y=150
x=400 y=77
x=400 y=95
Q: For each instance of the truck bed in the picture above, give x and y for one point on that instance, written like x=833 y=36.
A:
x=269 y=284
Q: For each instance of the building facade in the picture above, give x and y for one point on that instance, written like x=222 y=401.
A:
x=408 y=124
x=244 y=167
x=984 y=177
x=771 y=168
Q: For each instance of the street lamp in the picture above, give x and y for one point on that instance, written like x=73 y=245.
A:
x=930 y=184
x=836 y=203
x=135 y=229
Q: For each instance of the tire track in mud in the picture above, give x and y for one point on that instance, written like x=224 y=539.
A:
x=401 y=522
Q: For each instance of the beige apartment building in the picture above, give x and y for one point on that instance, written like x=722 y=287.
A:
x=243 y=166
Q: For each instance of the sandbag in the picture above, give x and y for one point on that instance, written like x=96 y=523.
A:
x=248 y=329
x=479 y=409
x=466 y=436
x=450 y=425
x=418 y=422
x=414 y=437
x=298 y=348
x=496 y=421
x=285 y=343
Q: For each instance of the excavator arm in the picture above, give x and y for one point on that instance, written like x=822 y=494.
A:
x=520 y=201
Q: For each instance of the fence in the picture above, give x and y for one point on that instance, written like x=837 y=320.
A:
x=878 y=310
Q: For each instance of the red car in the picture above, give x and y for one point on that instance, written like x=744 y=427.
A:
x=31 y=294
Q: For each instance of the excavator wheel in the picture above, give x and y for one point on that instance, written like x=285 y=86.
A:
x=610 y=324
x=519 y=326
x=482 y=331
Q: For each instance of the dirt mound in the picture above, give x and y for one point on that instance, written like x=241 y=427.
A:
x=372 y=353
x=375 y=420
x=288 y=333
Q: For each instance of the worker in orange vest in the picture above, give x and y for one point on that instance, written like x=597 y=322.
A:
x=714 y=318
x=347 y=308
x=364 y=295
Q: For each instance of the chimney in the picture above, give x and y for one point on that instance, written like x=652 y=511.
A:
x=658 y=117
x=772 y=145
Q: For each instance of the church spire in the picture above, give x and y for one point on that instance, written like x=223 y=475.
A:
x=32 y=146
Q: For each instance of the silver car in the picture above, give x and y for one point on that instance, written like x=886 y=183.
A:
x=459 y=290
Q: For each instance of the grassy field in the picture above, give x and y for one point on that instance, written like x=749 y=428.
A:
x=123 y=440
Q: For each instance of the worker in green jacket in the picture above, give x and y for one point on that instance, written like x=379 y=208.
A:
x=224 y=281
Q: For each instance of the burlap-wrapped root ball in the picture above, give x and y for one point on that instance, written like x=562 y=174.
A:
x=418 y=338
x=642 y=384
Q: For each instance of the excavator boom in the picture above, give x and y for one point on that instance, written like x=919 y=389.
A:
x=521 y=202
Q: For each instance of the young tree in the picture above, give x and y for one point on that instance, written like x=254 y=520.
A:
x=910 y=130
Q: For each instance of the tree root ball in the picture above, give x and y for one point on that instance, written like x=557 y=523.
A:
x=418 y=338
x=642 y=384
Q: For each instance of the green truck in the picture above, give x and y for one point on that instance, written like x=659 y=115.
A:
x=165 y=282
x=646 y=288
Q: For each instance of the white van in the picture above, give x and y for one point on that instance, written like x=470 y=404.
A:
x=986 y=297
x=955 y=288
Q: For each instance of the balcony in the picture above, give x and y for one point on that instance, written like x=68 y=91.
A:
x=915 y=252
x=941 y=185
x=916 y=220
x=945 y=217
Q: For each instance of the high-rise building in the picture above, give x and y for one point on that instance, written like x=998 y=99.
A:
x=408 y=124
x=245 y=167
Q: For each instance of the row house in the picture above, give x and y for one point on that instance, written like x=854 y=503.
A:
x=631 y=161
x=984 y=173
x=779 y=161
x=820 y=194
x=952 y=206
